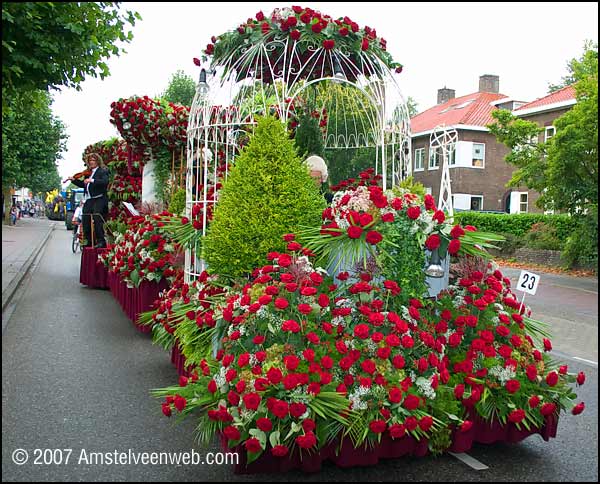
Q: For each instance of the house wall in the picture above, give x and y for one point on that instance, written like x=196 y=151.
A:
x=489 y=182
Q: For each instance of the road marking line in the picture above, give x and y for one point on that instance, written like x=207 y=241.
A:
x=595 y=363
x=470 y=461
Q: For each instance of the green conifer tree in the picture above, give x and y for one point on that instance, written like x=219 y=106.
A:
x=268 y=193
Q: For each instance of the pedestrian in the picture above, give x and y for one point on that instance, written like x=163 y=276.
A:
x=96 y=203
x=13 y=215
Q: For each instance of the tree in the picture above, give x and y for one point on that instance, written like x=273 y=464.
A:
x=565 y=168
x=32 y=140
x=181 y=89
x=413 y=107
x=268 y=193
x=46 y=45
x=579 y=68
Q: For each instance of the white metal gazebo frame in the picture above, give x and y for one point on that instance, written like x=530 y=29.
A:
x=271 y=77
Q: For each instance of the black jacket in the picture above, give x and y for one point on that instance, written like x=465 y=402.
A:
x=100 y=183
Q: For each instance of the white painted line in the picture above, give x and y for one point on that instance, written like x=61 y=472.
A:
x=470 y=461
x=595 y=363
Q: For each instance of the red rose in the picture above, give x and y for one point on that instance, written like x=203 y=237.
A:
x=429 y=202
x=291 y=326
x=580 y=378
x=411 y=402
x=411 y=423
x=258 y=339
x=413 y=212
x=308 y=424
x=307 y=440
x=454 y=246
x=577 y=409
x=166 y=409
x=297 y=409
x=456 y=232
x=397 y=431
x=407 y=341
x=433 y=242
x=368 y=366
x=251 y=401
x=374 y=237
x=212 y=386
x=516 y=416
x=531 y=372
x=547 y=344
x=274 y=375
x=354 y=232
x=344 y=31
x=260 y=16
x=316 y=28
x=377 y=426
x=314 y=388
x=361 y=331
x=279 y=451
x=512 y=386
x=398 y=362
x=280 y=409
x=252 y=445
x=179 y=402
x=439 y=217
x=534 y=401
x=426 y=423
x=291 y=362
x=466 y=426
x=552 y=378
x=328 y=44
x=305 y=308
x=264 y=424
x=395 y=395
x=547 y=409
x=459 y=391
x=364 y=45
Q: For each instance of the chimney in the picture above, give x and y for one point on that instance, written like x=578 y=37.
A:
x=489 y=83
x=445 y=94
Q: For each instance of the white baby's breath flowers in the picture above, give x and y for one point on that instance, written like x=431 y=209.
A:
x=503 y=374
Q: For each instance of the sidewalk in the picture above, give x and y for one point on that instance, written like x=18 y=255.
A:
x=20 y=246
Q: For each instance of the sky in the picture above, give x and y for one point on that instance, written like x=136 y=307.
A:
x=440 y=45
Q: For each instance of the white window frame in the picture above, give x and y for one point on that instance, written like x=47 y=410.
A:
x=473 y=156
x=421 y=151
x=477 y=196
x=547 y=130
x=526 y=202
x=433 y=152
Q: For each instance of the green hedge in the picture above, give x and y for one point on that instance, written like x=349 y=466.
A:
x=517 y=224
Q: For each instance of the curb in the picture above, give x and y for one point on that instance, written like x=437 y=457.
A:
x=8 y=293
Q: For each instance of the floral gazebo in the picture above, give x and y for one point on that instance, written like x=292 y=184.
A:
x=279 y=64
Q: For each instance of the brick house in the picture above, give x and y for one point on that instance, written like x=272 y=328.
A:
x=478 y=171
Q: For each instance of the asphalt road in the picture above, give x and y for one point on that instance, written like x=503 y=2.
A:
x=76 y=375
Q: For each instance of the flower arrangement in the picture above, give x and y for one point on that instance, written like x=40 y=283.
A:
x=304 y=361
x=363 y=222
x=126 y=188
x=143 y=252
x=307 y=30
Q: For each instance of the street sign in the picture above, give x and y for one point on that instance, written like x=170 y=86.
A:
x=528 y=282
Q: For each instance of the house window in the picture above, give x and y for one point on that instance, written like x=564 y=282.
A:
x=523 y=202
x=478 y=160
x=452 y=157
x=476 y=202
x=435 y=156
x=550 y=131
x=419 y=156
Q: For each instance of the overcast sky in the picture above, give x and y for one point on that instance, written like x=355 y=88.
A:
x=439 y=44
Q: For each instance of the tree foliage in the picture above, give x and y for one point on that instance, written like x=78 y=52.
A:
x=181 y=89
x=32 y=140
x=579 y=68
x=46 y=45
x=565 y=168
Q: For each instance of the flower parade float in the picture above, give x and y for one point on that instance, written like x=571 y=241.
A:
x=334 y=346
x=292 y=364
x=141 y=263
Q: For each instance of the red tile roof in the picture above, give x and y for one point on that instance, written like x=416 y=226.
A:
x=475 y=111
x=565 y=94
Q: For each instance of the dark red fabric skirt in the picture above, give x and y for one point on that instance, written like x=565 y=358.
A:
x=93 y=273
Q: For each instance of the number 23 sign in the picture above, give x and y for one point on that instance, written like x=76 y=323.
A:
x=528 y=282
